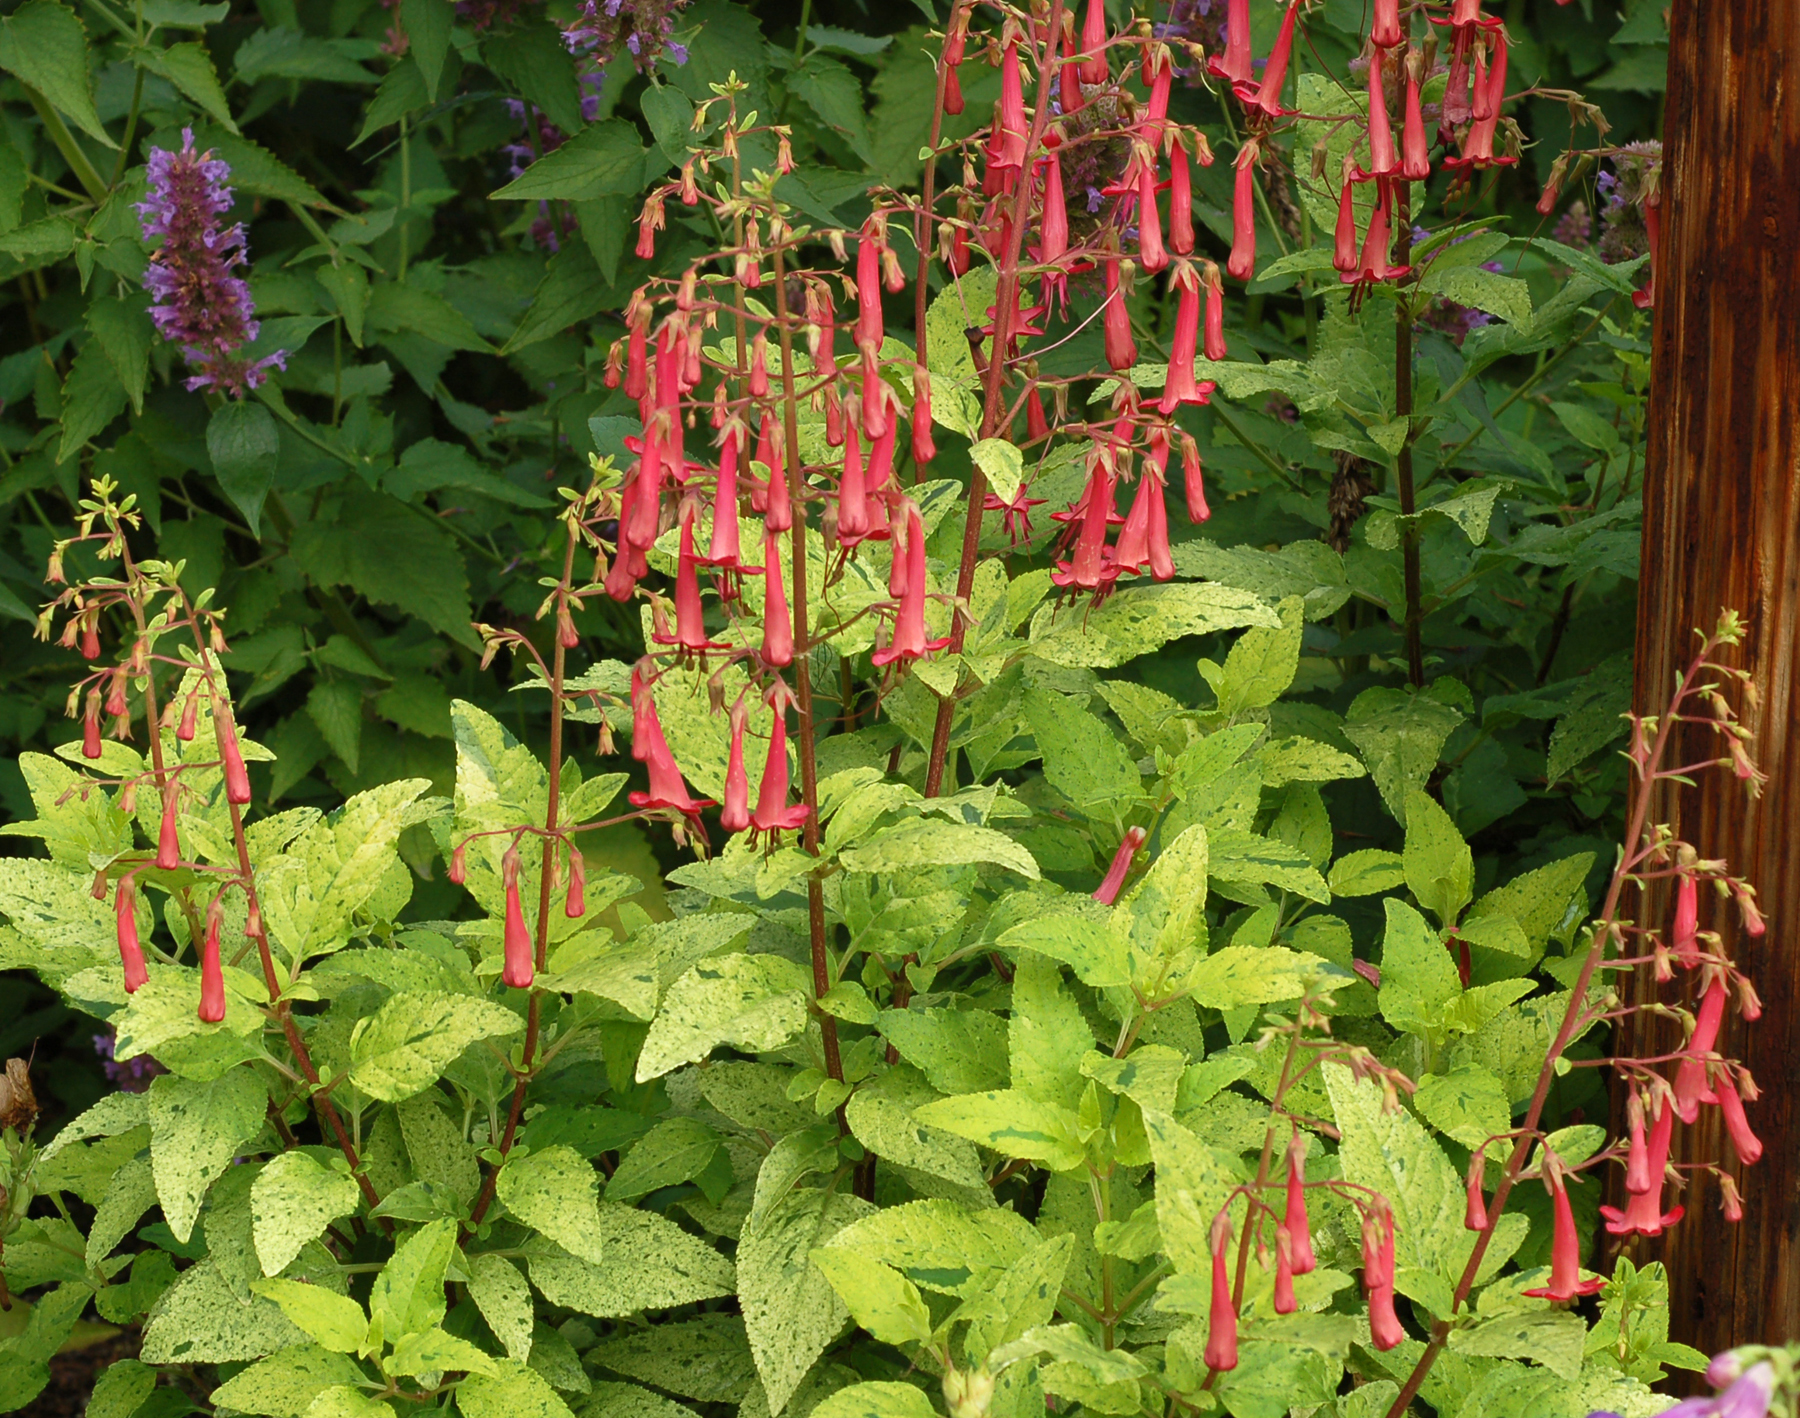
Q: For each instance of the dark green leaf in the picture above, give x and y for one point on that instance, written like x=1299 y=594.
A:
x=832 y=92
x=533 y=58
x=336 y=707
x=46 y=47
x=427 y=25
x=122 y=328
x=92 y=397
x=190 y=68
x=242 y=441
x=604 y=159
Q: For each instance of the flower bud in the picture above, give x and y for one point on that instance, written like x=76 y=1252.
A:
x=131 y=953
x=212 y=973
x=1222 y=1328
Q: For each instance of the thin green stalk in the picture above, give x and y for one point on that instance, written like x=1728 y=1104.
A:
x=67 y=145
x=131 y=122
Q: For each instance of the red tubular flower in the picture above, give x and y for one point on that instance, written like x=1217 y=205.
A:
x=1415 y=151
x=1145 y=535
x=1090 y=567
x=1152 y=255
x=1068 y=71
x=1565 y=1250
x=1285 y=1303
x=1221 y=1332
x=1643 y=1214
x=1037 y=422
x=1385 y=31
x=1159 y=73
x=1012 y=131
x=759 y=366
x=778 y=624
x=1294 y=1220
x=1268 y=97
x=237 y=778
x=1133 y=548
x=734 y=812
x=1475 y=1216
x=1129 y=847
x=1344 y=253
x=212 y=970
x=690 y=622
x=1381 y=133
x=575 y=902
x=1181 y=199
x=1637 y=1152
x=773 y=814
x=924 y=447
x=1054 y=241
x=1731 y=1106
x=1646 y=298
x=1235 y=68
x=131 y=953
x=90 y=637
x=90 y=726
x=909 y=640
x=1691 y=1088
x=1195 y=481
x=1094 y=68
x=875 y=395
x=168 y=843
x=1385 y=1330
x=667 y=787
x=1242 y=262
x=190 y=718
x=853 y=501
x=515 y=938
x=955 y=40
x=1374 y=265
x=868 y=292
x=1685 y=937
x=1378 y=1248
x=1181 y=387
x=637 y=370
x=1215 y=314
x=724 y=548
x=1121 y=349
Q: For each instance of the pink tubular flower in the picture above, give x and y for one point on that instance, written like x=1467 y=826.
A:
x=1181 y=387
x=1235 y=68
x=667 y=787
x=1133 y=548
x=1215 y=314
x=1242 y=261
x=1121 y=349
x=1646 y=298
x=1744 y=1142
x=924 y=447
x=1385 y=31
x=778 y=506
x=1385 y=1330
x=212 y=971
x=90 y=727
x=1054 y=234
x=515 y=938
x=909 y=638
x=1221 y=1332
x=1294 y=1219
x=1381 y=134
x=773 y=814
x=575 y=901
x=734 y=811
x=853 y=500
x=1194 y=479
x=1344 y=253
x=1129 y=847
x=1159 y=74
x=1691 y=1088
x=1285 y=1303
x=131 y=953
x=1268 y=97
x=868 y=292
x=1565 y=1250
x=1475 y=1215
x=1152 y=255
x=1637 y=1152
x=1090 y=567
x=1415 y=151
x=778 y=624
x=1094 y=68
x=1685 y=937
x=237 y=779
x=1181 y=199
x=1374 y=265
x=168 y=840
x=690 y=623
x=1643 y=1214
x=1378 y=1247
x=1012 y=127
x=724 y=549
x=637 y=364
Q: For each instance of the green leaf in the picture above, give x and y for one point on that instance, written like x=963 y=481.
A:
x=1243 y=857
x=1083 y=758
x=292 y=1201
x=1309 y=569
x=1088 y=943
x=427 y=24
x=256 y=172
x=92 y=397
x=958 y=1050
x=532 y=55
x=1505 y=296
x=1366 y=873
x=342 y=1401
x=876 y=1400
x=572 y=291
x=504 y=1299
x=45 y=46
x=335 y=707
x=941 y=1245
x=1304 y=760
x=1587 y=426
x=1046 y=1036
x=1595 y=718
x=934 y=842
x=413 y=309
x=556 y=1191
x=401 y=94
x=120 y=1388
x=201 y=1319
x=335 y=1321
x=670 y=113
x=753 y=1002
x=651 y=1264
x=41 y=242
x=1140 y=619
x=882 y=1300
x=513 y=1391
x=676 y=1150
x=189 y=67
x=123 y=329
x=348 y=286
x=408 y=1295
x=1469 y=1104
x=196 y=1129
x=1399 y=736
x=791 y=1311
x=835 y=96
x=1440 y=869
x=1546 y=902
x=602 y=160
x=242 y=442
x=411 y=1039
x=390 y=554
x=880 y=1114
x=1002 y=463
x=1014 y=1124
x=1418 y=978
x=1260 y=666
x=432 y=1351
x=1553 y=1338
x=285 y=1384
x=1240 y=975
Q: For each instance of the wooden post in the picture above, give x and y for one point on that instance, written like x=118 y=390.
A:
x=1722 y=530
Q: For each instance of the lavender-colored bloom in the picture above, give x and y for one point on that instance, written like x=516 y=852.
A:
x=200 y=305
x=604 y=29
x=132 y=1076
x=1749 y=1397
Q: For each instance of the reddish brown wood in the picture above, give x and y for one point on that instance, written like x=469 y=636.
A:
x=1722 y=529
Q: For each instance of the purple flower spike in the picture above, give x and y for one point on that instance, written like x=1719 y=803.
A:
x=1749 y=1397
x=200 y=305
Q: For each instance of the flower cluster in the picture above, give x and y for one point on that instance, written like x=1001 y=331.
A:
x=200 y=304
x=604 y=29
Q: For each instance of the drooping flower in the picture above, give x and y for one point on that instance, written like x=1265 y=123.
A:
x=237 y=778
x=1194 y=479
x=1121 y=349
x=778 y=507
x=1129 y=847
x=690 y=624
x=667 y=787
x=1094 y=68
x=1268 y=96
x=1384 y=32
x=1235 y=67
x=1294 y=1219
x=1637 y=1150
x=1684 y=939
x=1344 y=254
x=1181 y=386
x=909 y=639
x=924 y=446
x=1744 y=1142
x=168 y=840
x=1181 y=199
x=199 y=303
x=773 y=812
x=724 y=549
x=853 y=502
x=212 y=971
x=1214 y=344
x=1691 y=1088
x=1415 y=151
x=1285 y=1302
x=1382 y=162
x=1643 y=1214
x=1385 y=1329
x=1565 y=1247
x=131 y=952
x=1475 y=1215
x=90 y=726
x=1152 y=255
x=778 y=623
x=734 y=808
x=575 y=901
x=1222 y=1319
x=517 y=970
x=1242 y=261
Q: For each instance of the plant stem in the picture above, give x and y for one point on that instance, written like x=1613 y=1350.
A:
x=1006 y=303
x=1403 y=463
x=66 y=144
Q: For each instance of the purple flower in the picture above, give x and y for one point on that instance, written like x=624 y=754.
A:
x=603 y=29
x=200 y=305
x=132 y=1076
x=1749 y=1396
